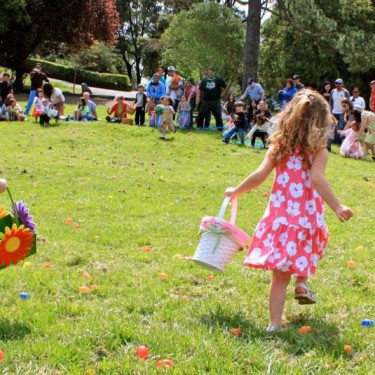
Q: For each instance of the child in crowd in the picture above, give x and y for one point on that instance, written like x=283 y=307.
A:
x=47 y=109
x=368 y=124
x=14 y=111
x=150 y=109
x=229 y=104
x=140 y=106
x=252 y=109
x=118 y=108
x=351 y=147
x=240 y=123
x=292 y=236
x=260 y=129
x=38 y=104
x=183 y=109
x=159 y=115
x=168 y=112
x=82 y=112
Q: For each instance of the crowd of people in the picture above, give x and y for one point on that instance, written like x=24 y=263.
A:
x=173 y=102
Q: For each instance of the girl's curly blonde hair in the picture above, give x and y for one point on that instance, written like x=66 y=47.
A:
x=301 y=126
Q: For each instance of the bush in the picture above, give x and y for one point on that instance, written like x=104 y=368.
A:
x=103 y=80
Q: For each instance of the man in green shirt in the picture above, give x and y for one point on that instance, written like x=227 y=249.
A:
x=209 y=92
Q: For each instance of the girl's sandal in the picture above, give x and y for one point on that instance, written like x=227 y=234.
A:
x=306 y=298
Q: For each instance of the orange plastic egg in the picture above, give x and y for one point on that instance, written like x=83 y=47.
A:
x=142 y=352
x=236 y=331
x=305 y=330
x=164 y=276
x=164 y=363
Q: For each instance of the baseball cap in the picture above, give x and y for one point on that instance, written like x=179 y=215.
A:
x=250 y=80
x=156 y=75
x=296 y=76
x=171 y=69
x=372 y=83
x=339 y=80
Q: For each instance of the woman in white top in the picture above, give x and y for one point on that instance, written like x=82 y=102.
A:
x=357 y=101
x=56 y=97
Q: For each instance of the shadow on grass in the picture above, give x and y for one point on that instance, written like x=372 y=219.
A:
x=13 y=330
x=324 y=337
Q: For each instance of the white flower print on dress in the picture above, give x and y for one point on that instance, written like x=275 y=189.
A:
x=268 y=241
x=291 y=248
x=296 y=190
x=275 y=255
x=320 y=220
x=277 y=198
x=308 y=246
x=260 y=230
x=294 y=162
x=304 y=222
x=310 y=206
x=283 y=237
x=284 y=265
x=283 y=179
x=301 y=236
x=293 y=208
x=280 y=220
x=306 y=176
x=301 y=263
x=315 y=259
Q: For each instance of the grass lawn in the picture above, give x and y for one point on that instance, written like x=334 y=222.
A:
x=125 y=190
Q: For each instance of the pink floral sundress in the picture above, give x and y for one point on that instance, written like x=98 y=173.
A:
x=292 y=235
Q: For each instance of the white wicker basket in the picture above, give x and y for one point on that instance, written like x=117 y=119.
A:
x=219 y=239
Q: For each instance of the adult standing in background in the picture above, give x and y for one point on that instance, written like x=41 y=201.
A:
x=210 y=90
x=190 y=91
x=372 y=97
x=337 y=96
x=297 y=82
x=326 y=90
x=37 y=77
x=174 y=86
x=357 y=101
x=155 y=89
x=254 y=91
x=160 y=72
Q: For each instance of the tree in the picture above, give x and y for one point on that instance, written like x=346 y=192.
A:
x=139 y=20
x=319 y=40
x=43 y=26
x=207 y=35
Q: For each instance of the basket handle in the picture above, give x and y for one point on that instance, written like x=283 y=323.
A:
x=223 y=208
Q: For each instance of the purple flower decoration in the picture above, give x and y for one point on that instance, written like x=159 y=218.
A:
x=24 y=215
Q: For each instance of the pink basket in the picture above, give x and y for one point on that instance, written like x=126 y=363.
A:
x=220 y=239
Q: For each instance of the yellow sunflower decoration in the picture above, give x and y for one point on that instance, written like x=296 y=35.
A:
x=15 y=244
x=3 y=212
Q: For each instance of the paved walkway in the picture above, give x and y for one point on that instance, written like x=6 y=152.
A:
x=96 y=91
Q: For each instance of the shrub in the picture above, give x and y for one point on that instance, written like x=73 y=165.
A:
x=103 y=80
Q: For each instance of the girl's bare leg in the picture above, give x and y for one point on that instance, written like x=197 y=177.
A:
x=280 y=282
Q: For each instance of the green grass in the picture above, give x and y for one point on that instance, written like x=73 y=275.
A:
x=127 y=190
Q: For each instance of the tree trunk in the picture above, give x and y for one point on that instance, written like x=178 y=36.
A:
x=252 y=41
x=18 y=83
x=138 y=70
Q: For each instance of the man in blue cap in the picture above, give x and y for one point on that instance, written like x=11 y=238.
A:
x=254 y=91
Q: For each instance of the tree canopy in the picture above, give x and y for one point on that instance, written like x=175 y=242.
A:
x=207 y=35
x=41 y=26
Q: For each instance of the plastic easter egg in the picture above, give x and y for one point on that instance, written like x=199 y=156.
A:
x=86 y=275
x=24 y=295
x=348 y=348
x=367 y=323
x=27 y=265
x=68 y=221
x=47 y=266
x=305 y=330
x=142 y=352
x=210 y=277
x=147 y=249
x=236 y=331
x=164 y=276
x=84 y=289
x=351 y=264
x=1 y=355
x=185 y=298
x=164 y=363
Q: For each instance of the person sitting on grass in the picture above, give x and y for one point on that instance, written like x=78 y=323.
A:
x=82 y=112
x=118 y=108
x=260 y=129
x=45 y=116
x=240 y=123
x=91 y=105
x=14 y=111
x=167 y=123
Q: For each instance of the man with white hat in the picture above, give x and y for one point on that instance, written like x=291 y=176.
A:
x=337 y=96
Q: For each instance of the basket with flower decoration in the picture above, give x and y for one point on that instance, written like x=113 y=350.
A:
x=17 y=231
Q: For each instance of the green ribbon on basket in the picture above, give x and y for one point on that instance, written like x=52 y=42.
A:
x=215 y=230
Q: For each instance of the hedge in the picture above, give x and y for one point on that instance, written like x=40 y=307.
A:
x=66 y=73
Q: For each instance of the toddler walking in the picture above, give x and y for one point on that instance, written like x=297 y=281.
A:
x=292 y=236
x=351 y=147
x=167 y=121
